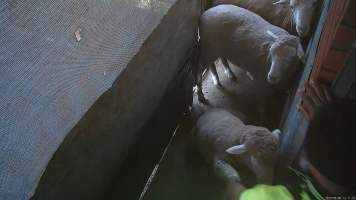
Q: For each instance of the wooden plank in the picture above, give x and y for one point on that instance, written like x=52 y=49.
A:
x=337 y=9
x=327 y=75
x=335 y=60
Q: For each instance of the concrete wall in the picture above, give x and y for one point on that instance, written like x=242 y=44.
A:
x=57 y=59
x=85 y=165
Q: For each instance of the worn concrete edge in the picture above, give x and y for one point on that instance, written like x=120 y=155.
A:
x=115 y=82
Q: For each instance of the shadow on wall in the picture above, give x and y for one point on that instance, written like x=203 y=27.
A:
x=153 y=138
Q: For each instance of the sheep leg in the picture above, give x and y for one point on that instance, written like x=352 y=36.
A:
x=199 y=82
x=215 y=75
x=227 y=69
x=234 y=190
x=231 y=177
x=225 y=171
x=249 y=75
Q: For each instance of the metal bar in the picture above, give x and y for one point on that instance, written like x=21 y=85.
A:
x=295 y=127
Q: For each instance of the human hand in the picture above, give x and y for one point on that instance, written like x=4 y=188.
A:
x=313 y=98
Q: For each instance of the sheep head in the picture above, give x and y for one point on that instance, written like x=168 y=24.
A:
x=286 y=55
x=262 y=147
x=303 y=11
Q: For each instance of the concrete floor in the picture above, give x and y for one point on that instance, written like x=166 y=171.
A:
x=183 y=174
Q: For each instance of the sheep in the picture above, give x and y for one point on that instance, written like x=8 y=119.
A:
x=225 y=142
x=298 y=12
x=296 y=17
x=248 y=41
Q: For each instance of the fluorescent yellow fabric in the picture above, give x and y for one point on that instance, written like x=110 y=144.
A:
x=267 y=192
x=304 y=196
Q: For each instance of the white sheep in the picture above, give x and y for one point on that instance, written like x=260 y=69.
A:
x=226 y=142
x=294 y=16
x=248 y=41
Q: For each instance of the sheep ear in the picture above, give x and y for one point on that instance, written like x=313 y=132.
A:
x=281 y=2
x=237 y=150
x=270 y=33
x=300 y=53
x=277 y=133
